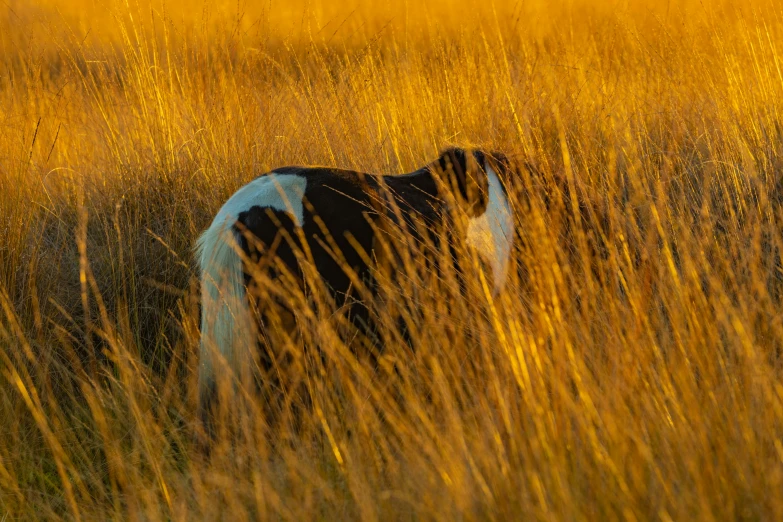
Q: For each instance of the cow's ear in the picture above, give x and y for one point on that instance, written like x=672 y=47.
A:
x=499 y=163
x=464 y=173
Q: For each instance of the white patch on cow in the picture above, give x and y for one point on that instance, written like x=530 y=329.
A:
x=227 y=327
x=492 y=233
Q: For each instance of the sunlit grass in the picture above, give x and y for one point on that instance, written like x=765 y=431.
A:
x=631 y=369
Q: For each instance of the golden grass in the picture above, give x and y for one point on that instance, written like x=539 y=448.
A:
x=632 y=369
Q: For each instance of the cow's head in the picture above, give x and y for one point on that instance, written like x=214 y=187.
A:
x=475 y=180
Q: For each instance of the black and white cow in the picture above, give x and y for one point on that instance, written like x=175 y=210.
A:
x=301 y=202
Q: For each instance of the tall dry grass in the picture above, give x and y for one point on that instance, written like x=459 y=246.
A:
x=631 y=370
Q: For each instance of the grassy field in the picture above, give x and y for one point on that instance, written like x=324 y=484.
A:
x=632 y=369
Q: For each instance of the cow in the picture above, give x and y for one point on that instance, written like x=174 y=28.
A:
x=336 y=216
